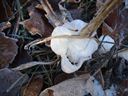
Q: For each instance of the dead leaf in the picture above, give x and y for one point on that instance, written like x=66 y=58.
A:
x=112 y=21
x=4 y=25
x=7 y=79
x=22 y=56
x=63 y=76
x=34 y=87
x=55 y=18
x=123 y=88
x=37 y=23
x=79 y=86
x=8 y=50
x=69 y=87
x=117 y=21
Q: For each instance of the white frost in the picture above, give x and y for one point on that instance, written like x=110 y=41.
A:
x=107 y=43
x=74 y=50
x=95 y=89
x=111 y=91
x=123 y=54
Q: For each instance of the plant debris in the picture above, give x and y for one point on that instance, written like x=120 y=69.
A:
x=8 y=50
x=64 y=48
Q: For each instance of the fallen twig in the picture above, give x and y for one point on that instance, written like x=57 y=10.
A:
x=39 y=41
x=19 y=81
x=34 y=63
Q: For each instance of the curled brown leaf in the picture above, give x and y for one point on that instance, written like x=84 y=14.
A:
x=37 y=23
x=4 y=25
x=8 y=50
x=7 y=79
x=34 y=87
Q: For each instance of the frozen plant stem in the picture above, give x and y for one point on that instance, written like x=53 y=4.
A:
x=101 y=15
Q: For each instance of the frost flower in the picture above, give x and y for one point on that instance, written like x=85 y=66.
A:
x=73 y=51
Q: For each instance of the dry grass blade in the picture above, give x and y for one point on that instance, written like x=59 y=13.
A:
x=34 y=63
x=21 y=80
x=39 y=41
x=101 y=15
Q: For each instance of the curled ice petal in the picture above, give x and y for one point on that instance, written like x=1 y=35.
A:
x=76 y=25
x=68 y=67
x=72 y=50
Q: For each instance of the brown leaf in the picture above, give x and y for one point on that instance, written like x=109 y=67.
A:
x=50 y=92
x=117 y=21
x=34 y=87
x=7 y=79
x=4 y=25
x=123 y=88
x=112 y=21
x=63 y=76
x=36 y=24
x=69 y=87
x=55 y=18
x=22 y=56
x=83 y=85
x=8 y=50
